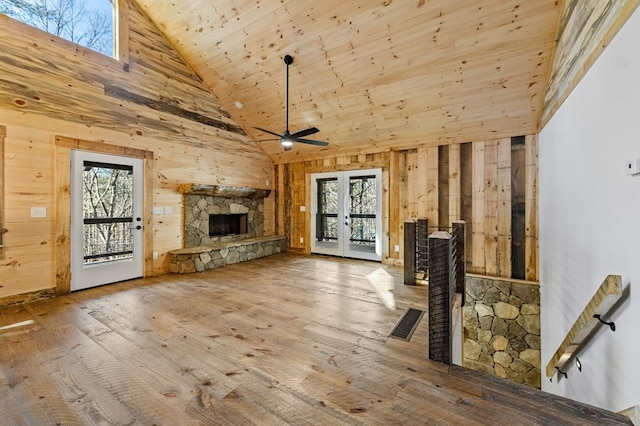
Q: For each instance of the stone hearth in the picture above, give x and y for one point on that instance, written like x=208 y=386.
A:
x=196 y=259
x=201 y=250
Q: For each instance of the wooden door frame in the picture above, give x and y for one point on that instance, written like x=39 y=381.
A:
x=63 y=147
x=3 y=132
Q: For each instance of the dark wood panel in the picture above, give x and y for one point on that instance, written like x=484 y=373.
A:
x=518 y=190
x=443 y=185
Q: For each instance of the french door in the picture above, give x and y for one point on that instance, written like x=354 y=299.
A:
x=106 y=219
x=347 y=214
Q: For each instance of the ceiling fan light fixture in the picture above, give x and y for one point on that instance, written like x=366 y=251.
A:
x=286 y=144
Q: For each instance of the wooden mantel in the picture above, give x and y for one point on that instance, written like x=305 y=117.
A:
x=223 y=191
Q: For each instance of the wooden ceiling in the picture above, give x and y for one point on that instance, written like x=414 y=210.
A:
x=371 y=75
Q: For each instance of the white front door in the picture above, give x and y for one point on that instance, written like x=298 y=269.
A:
x=106 y=219
x=347 y=214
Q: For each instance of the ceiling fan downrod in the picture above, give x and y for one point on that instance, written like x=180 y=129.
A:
x=286 y=138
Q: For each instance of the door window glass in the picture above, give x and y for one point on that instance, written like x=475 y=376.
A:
x=107 y=211
x=362 y=215
x=327 y=219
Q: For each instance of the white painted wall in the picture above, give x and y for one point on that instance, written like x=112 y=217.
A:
x=590 y=223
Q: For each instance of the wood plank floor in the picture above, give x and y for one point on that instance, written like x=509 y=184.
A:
x=287 y=339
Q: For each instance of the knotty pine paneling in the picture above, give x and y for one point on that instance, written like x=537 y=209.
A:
x=50 y=87
x=483 y=74
x=470 y=182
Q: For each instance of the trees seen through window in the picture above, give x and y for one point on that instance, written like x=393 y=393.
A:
x=89 y=23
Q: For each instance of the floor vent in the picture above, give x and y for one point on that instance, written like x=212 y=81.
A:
x=407 y=324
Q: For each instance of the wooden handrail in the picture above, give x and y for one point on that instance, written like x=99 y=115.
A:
x=605 y=297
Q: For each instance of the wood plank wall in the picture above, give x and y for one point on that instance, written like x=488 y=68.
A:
x=50 y=87
x=472 y=181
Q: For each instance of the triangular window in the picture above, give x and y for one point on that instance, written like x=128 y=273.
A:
x=89 y=23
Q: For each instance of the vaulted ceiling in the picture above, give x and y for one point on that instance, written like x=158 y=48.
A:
x=371 y=75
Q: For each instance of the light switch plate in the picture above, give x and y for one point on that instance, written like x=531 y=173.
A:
x=38 y=212
x=168 y=210
x=157 y=210
x=303 y=208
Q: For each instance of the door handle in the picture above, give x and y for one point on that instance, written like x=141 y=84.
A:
x=138 y=227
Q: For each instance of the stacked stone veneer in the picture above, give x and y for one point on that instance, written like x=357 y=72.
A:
x=502 y=329
x=203 y=252
x=199 y=207
x=196 y=259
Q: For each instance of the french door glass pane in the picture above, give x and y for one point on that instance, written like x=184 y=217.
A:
x=327 y=219
x=362 y=213
x=107 y=211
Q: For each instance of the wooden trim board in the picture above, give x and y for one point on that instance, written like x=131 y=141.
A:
x=3 y=132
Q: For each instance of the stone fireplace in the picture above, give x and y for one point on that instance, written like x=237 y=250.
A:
x=219 y=214
x=223 y=225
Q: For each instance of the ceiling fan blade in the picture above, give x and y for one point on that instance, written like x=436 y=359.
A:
x=312 y=142
x=265 y=140
x=306 y=132
x=268 y=131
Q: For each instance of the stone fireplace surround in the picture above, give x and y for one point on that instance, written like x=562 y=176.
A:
x=202 y=251
x=198 y=207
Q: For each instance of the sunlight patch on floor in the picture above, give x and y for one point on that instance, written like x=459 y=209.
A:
x=382 y=283
x=18 y=328
x=16 y=325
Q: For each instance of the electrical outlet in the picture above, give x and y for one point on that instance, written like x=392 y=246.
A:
x=301 y=240
x=155 y=255
x=303 y=208
x=38 y=212
x=397 y=248
x=157 y=210
x=267 y=182
x=168 y=210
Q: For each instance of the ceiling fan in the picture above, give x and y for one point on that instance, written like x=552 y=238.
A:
x=287 y=139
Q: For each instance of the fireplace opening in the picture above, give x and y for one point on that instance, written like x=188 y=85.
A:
x=227 y=224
